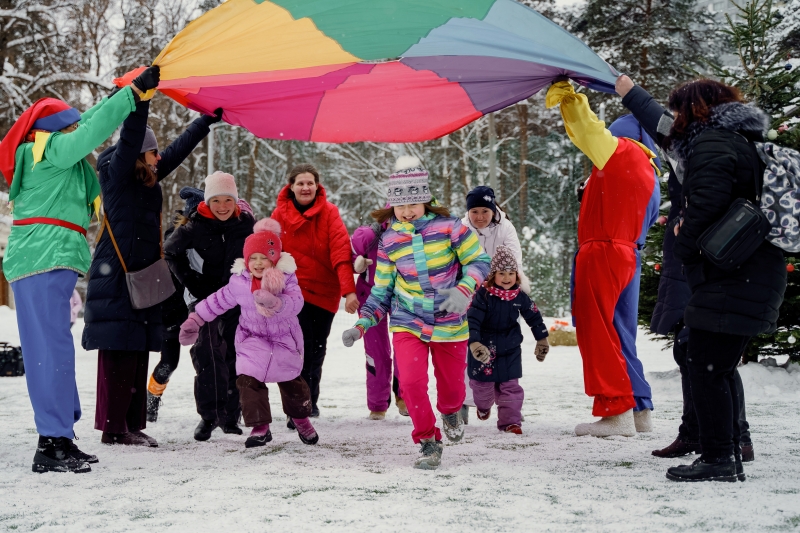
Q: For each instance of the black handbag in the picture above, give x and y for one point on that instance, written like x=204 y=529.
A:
x=11 y=363
x=731 y=240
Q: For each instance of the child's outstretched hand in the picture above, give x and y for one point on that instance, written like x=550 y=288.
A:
x=542 y=347
x=350 y=336
x=190 y=329
x=480 y=352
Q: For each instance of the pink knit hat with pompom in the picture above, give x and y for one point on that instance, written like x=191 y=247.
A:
x=266 y=239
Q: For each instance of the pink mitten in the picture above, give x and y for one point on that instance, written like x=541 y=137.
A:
x=267 y=304
x=190 y=329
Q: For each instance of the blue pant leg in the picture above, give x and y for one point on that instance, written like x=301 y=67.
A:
x=48 y=351
x=625 y=322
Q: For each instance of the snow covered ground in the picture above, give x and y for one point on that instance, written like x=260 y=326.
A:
x=359 y=477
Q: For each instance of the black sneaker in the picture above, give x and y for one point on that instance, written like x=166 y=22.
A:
x=52 y=455
x=254 y=442
x=203 y=430
x=290 y=423
x=719 y=469
x=314 y=412
x=78 y=455
x=153 y=403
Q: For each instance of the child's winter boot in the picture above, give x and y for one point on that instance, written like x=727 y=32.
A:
x=452 y=426
x=465 y=414
x=483 y=415
x=259 y=436
x=52 y=455
x=513 y=428
x=607 y=426
x=306 y=431
x=377 y=415
x=430 y=456
x=642 y=421
x=154 y=392
x=401 y=406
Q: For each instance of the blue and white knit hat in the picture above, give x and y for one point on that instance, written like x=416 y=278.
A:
x=409 y=183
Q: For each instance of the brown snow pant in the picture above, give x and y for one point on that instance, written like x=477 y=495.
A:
x=254 y=395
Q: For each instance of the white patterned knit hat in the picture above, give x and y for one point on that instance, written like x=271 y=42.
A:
x=503 y=261
x=409 y=183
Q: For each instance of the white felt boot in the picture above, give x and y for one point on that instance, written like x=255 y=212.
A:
x=609 y=425
x=642 y=420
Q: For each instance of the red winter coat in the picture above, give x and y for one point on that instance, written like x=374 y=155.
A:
x=319 y=242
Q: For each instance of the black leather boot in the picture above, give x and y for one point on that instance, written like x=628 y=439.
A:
x=78 y=455
x=705 y=469
x=678 y=448
x=52 y=455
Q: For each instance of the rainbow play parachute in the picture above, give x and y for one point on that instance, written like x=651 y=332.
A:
x=369 y=70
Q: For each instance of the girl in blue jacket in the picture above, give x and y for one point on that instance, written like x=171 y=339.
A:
x=495 y=340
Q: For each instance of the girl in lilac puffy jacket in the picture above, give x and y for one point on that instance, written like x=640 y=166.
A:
x=269 y=341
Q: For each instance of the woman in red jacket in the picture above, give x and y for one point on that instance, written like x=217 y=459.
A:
x=313 y=232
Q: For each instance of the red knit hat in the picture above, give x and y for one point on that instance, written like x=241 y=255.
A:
x=266 y=239
x=47 y=114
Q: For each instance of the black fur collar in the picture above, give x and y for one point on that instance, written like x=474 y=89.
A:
x=733 y=116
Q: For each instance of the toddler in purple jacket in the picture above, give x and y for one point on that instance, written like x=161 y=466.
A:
x=269 y=341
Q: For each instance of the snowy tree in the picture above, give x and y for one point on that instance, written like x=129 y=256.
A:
x=658 y=43
x=39 y=58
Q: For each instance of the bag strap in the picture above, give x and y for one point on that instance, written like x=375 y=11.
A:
x=114 y=242
x=106 y=224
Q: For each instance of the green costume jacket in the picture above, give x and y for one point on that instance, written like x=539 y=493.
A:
x=62 y=186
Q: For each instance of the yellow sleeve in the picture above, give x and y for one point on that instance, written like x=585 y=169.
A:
x=585 y=130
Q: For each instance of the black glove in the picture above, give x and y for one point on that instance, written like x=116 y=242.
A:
x=148 y=79
x=212 y=119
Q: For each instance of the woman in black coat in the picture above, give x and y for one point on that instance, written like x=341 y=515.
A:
x=673 y=291
x=130 y=174
x=713 y=133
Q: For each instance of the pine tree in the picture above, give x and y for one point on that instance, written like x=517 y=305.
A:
x=761 y=72
x=764 y=39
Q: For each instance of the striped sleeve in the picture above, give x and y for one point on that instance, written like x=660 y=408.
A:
x=380 y=298
x=474 y=261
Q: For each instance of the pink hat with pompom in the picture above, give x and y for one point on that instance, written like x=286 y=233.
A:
x=266 y=239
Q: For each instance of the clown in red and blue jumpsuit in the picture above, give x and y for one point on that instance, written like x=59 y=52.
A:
x=620 y=203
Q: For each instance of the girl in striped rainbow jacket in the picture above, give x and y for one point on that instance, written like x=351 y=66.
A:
x=429 y=266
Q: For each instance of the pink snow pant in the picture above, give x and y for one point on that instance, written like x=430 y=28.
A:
x=507 y=395
x=411 y=357
x=379 y=367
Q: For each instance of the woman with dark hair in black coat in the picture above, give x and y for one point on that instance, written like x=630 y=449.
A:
x=673 y=291
x=130 y=175
x=713 y=135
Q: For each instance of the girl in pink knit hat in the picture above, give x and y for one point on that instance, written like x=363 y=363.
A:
x=269 y=341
